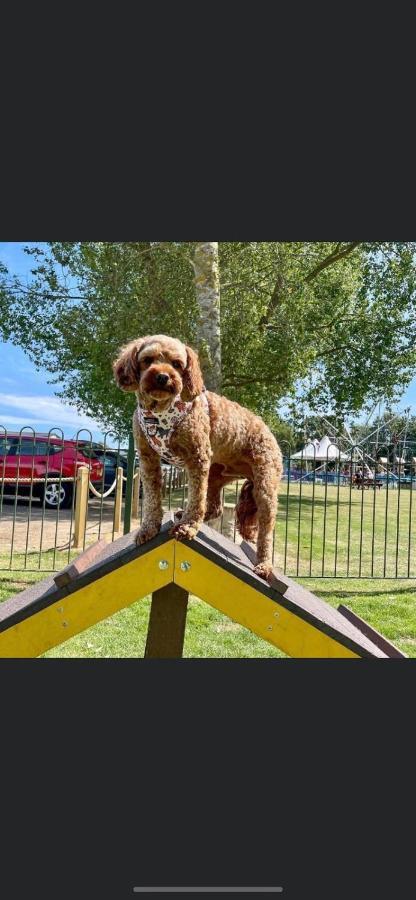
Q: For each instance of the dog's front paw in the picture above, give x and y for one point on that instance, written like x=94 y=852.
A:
x=146 y=533
x=185 y=531
x=264 y=570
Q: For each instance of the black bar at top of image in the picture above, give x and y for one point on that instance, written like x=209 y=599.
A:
x=208 y=890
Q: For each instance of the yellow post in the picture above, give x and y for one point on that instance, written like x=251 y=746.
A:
x=81 y=505
x=225 y=524
x=136 y=496
x=118 y=500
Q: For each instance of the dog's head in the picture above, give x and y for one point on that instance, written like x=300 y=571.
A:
x=159 y=368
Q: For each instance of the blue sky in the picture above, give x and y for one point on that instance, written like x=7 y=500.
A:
x=26 y=398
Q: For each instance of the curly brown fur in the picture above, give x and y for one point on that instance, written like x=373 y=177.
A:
x=246 y=513
x=215 y=449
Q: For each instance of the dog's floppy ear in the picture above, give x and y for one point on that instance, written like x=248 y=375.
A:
x=193 y=382
x=126 y=368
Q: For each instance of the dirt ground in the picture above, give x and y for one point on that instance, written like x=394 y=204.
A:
x=24 y=528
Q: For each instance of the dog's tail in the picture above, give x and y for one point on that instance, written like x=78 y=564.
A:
x=246 y=513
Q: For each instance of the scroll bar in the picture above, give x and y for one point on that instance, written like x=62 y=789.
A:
x=208 y=890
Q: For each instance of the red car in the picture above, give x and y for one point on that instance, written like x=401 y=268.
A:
x=44 y=456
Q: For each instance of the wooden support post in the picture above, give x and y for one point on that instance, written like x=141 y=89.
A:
x=167 y=622
x=81 y=505
x=136 y=495
x=118 y=500
x=129 y=485
x=225 y=524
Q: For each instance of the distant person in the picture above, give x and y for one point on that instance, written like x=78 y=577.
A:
x=359 y=476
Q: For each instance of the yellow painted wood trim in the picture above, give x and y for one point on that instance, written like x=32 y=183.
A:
x=91 y=604
x=252 y=609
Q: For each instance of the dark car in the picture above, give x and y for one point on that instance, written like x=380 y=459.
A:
x=111 y=460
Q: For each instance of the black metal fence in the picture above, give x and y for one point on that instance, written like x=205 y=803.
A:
x=348 y=514
x=59 y=495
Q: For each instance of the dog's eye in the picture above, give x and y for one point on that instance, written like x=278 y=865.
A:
x=148 y=360
x=176 y=364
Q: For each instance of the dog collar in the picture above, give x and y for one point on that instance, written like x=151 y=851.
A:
x=158 y=427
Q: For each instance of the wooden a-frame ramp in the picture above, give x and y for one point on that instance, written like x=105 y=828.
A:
x=108 y=577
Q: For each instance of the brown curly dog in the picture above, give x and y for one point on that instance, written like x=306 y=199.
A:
x=215 y=439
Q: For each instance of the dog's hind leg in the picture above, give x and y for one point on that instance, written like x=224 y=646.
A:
x=266 y=480
x=216 y=483
x=246 y=513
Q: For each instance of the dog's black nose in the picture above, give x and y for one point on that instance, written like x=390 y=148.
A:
x=162 y=379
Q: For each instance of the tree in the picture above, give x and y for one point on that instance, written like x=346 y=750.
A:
x=331 y=321
x=207 y=285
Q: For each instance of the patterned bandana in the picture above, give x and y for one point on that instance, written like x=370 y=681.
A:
x=158 y=427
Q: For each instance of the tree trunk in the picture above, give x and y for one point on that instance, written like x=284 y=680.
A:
x=207 y=284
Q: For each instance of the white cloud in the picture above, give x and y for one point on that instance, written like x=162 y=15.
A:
x=40 y=410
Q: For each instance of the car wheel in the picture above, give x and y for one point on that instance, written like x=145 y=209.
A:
x=57 y=495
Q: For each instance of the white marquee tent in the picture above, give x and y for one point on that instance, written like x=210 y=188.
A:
x=320 y=451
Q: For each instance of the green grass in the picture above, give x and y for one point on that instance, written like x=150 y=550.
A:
x=208 y=634
x=346 y=532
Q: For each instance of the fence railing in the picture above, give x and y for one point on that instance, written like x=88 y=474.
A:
x=349 y=514
x=58 y=495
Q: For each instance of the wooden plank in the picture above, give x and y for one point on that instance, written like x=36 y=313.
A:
x=378 y=639
x=18 y=604
x=223 y=546
x=167 y=622
x=276 y=579
x=79 y=565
